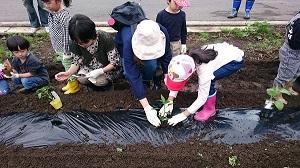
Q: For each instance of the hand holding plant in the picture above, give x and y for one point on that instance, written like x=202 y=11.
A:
x=276 y=98
x=166 y=109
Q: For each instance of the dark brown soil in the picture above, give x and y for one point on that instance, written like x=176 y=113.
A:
x=247 y=88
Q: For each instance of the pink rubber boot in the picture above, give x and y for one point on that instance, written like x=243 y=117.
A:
x=209 y=109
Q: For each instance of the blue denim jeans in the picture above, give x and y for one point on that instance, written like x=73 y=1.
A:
x=32 y=14
x=149 y=69
x=29 y=83
x=4 y=87
x=237 y=3
x=224 y=71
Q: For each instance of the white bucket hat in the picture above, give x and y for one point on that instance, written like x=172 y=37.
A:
x=148 y=41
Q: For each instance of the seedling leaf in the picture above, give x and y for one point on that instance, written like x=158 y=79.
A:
x=272 y=92
x=162 y=99
x=39 y=95
x=232 y=160
x=279 y=105
x=119 y=150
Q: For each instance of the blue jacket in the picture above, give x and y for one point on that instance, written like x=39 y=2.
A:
x=133 y=74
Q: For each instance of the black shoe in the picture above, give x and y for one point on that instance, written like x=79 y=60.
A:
x=233 y=14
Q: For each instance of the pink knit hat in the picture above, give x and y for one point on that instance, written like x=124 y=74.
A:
x=180 y=69
x=183 y=3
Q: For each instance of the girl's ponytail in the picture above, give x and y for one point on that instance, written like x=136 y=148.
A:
x=205 y=55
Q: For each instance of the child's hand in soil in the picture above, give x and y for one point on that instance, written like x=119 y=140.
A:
x=177 y=119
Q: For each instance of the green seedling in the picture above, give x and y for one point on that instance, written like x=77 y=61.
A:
x=232 y=160
x=119 y=150
x=164 y=116
x=45 y=93
x=274 y=93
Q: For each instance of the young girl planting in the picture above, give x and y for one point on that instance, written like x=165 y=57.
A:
x=211 y=63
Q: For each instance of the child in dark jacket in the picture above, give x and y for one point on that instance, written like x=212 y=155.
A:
x=174 y=20
x=28 y=70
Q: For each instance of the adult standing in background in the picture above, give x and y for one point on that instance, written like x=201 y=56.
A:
x=36 y=21
x=236 y=6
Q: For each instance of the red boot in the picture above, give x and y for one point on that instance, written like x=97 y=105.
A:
x=209 y=109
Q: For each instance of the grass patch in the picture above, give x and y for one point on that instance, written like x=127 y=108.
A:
x=204 y=36
x=265 y=36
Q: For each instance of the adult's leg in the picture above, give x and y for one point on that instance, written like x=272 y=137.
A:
x=248 y=7
x=288 y=70
x=43 y=14
x=235 y=8
x=33 y=18
x=288 y=67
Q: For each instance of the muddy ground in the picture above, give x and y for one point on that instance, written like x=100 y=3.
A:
x=246 y=88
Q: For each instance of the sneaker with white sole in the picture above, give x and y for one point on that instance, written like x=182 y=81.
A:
x=47 y=29
x=34 y=29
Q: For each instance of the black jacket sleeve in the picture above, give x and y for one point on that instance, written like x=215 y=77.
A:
x=293 y=34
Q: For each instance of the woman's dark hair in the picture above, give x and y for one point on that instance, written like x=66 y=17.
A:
x=82 y=28
x=16 y=43
x=203 y=55
x=67 y=3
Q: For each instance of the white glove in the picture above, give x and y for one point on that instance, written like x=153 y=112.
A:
x=95 y=73
x=166 y=109
x=151 y=115
x=93 y=80
x=183 y=48
x=15 y=75
x=176 y=119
